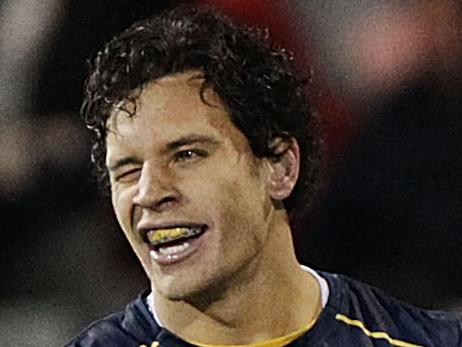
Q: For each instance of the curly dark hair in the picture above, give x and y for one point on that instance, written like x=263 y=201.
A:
x=253 y=78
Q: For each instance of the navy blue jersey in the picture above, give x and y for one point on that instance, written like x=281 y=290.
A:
x=355 y=315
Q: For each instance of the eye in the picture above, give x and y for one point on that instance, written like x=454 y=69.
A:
x=190 y=154
x=127 y=176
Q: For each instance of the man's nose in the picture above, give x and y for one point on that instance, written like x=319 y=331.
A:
x=156 y=189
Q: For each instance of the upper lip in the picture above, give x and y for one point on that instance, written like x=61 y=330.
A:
x=144 y=228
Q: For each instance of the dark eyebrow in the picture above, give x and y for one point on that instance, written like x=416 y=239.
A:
x=189 y=140
x=122 y=162
x=171 y=146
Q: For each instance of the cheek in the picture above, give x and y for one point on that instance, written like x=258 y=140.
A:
x=237 y=202
x=122 y=204
x=243 y=224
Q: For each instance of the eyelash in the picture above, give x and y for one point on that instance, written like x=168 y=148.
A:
x=125 y=174
x=189 y=154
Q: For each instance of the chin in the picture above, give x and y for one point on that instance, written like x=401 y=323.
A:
x=197 y=293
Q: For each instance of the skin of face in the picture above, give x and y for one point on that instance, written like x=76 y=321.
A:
x=212 y=178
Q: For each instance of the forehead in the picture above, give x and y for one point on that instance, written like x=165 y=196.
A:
x=169 y=108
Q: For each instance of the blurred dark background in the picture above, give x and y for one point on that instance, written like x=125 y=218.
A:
x=387 y=88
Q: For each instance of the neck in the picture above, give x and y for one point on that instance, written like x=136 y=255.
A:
x=275 y=299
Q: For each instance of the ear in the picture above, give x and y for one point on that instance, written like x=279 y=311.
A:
x=284 y=170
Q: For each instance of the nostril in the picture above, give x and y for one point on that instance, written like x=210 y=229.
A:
x=149 y=202
x=167 y=201
x=156 y=204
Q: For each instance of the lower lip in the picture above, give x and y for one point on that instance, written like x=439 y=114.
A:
x=170 y=259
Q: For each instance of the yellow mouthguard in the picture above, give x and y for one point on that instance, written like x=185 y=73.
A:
x=161 y=234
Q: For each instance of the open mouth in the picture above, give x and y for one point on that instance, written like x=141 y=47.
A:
x=174 y=242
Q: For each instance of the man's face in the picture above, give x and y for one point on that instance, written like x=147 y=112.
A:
x=184 y=177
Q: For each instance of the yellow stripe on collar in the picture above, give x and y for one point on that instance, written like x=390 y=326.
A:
x=373 y=334
x=277 y=342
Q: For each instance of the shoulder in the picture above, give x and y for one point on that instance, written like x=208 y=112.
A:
x=369 y=311
x=100 y=332
x=131 y=327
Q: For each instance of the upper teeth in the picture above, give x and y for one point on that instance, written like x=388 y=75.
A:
x=158 y=236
